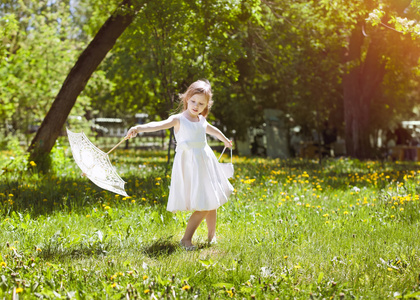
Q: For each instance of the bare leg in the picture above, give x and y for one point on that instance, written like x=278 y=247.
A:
x=192 y=226
x=211 y=224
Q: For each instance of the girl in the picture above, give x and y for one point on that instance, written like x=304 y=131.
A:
x=198 y=183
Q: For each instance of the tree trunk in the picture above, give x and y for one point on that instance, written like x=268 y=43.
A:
x=76 y=81
x=360 y=83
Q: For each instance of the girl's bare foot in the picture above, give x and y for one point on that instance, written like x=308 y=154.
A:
x=187 y=245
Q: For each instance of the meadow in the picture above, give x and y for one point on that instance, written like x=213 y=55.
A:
x=293 y=229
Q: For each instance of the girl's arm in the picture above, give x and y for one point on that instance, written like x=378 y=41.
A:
x=217 y=133
x=172 y=121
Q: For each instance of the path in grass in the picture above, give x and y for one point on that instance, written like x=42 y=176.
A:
x=291 y=229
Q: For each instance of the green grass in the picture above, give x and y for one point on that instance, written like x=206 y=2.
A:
x=292 y=229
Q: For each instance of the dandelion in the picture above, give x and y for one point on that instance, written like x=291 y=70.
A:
x=145 y=277
x=146 y=291
x=107 y=207
x=346 y=212
x=230 y=293
x=285 y=257
x=392 y=216
x=186 y=287
x=3 y=264
x=401 y=209
x=32 y=163
x=39 y=249
x=19 y=290
x=114 y=284
x=133 y=201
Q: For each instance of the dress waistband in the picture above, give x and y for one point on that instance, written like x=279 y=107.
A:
x=189 y=145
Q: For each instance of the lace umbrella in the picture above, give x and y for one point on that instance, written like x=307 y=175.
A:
x=95 y=163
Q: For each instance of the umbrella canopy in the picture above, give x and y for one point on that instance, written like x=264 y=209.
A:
x=95 y=163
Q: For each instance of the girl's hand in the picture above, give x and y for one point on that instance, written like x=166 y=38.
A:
x=228 y=144
x=132 y=132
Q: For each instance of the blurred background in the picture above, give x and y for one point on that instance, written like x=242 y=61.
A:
x=290 y=78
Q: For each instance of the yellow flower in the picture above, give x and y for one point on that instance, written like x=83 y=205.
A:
x=186 y=287
x=11 y=195
x=39 y=249
x=114 y=284
x=2 y=264
x=401 y=209
x=145 y=277
x=285 y=257
x=107 y=207
x=19 y=290
x=346 y=212
x=32 y=163
x=230 y=293
x=133 y=201
x=146 y=291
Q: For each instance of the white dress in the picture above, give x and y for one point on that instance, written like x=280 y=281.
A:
x=198 y=182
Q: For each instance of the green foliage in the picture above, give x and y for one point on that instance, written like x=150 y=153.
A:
x=292 y=229
x=38 y=55
x=169 y=45
x=279 y=54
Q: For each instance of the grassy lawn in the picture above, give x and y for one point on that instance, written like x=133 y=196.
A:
x=292 y=229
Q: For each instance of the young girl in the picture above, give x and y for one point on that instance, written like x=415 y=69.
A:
x=198 y=183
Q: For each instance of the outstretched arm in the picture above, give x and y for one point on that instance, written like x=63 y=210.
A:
x=172 y=121
x=217 y=133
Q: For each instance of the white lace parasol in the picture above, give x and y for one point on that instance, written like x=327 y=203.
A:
x=95 y=163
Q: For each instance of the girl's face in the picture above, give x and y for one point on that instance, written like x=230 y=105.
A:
x=196 y=104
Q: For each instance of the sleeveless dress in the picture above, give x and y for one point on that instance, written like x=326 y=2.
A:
x=197 y=182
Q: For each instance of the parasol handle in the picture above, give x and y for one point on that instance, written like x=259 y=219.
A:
x=125 y=138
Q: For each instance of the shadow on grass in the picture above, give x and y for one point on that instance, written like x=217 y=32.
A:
x=52 y=252
x=161 y=247
x=48 y=194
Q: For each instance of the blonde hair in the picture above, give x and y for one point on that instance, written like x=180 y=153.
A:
x=201 y=86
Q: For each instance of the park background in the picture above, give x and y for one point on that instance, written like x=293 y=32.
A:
x=311 y=226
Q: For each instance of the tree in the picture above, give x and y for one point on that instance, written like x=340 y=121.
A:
x=76 y=80
x=371 y=54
